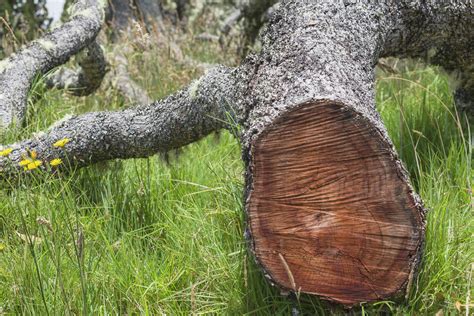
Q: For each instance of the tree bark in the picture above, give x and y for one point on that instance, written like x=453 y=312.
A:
x=176 y=121
x=122 y=13
x=54 y=49
x=87 y=78
x=253 y=12
x=330 y=210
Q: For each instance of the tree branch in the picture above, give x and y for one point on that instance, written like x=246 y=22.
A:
x=87 y=78
x=443 y=33
x=19 y=70
x=176 y=121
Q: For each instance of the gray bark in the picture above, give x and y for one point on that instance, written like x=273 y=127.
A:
x=445 y=36
x=87 y=78
x=233 y=18
x=313 y=52
x=19 y=70
x=121 y=13
x=176 y=121
x=181 y=8
x=254 y=13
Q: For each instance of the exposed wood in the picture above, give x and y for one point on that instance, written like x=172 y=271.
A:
x=329 y=212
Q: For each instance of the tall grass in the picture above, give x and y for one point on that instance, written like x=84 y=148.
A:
x=146 y=237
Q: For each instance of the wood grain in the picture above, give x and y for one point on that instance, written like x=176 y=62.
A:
x=329 y=213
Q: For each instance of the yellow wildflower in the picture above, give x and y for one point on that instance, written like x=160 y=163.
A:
x=25 y=162
x=55 y=162
x=61 y=142
x=33 y=154
x=33 y=165
x=5 y=152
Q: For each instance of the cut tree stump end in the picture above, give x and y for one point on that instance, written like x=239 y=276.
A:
x=329 y=210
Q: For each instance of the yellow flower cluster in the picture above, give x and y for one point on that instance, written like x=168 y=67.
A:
x=59 y=144
x=6 y=152
x=29 y=162
x=33 y=165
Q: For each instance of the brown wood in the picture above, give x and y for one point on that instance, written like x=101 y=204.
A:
x=329 y=213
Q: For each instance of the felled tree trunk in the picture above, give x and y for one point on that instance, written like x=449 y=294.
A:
x=330 y=209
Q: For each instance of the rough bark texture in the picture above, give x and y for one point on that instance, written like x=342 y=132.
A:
x=87 y=78
x=444 y=34
x=254 y=13
x=329 y=206
x=54 y=49
x=161 y=126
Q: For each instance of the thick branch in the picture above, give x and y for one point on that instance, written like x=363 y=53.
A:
x=254 y=13
x=441 y=33
x=233 y=18
x=54 y=49
x=176 y=121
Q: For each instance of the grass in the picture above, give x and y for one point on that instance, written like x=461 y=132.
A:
x=146 y=237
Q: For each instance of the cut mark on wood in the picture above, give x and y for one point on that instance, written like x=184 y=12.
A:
x=328 y=209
